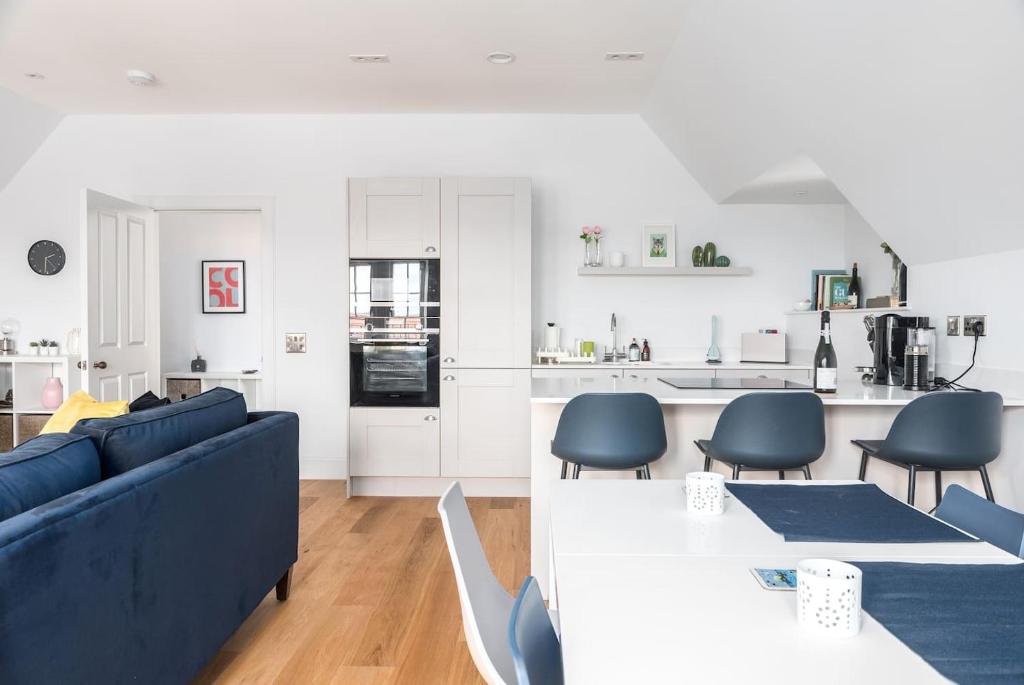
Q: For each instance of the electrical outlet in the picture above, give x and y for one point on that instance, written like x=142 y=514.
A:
x=295 y=343
x=969 y=323
x=952 y=325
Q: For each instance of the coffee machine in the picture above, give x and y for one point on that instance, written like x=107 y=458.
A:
x=898 y=338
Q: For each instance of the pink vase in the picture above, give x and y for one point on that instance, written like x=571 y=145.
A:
x=53 y=393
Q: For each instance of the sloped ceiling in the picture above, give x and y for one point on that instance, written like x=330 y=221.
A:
x=914 y=109
x=794 y=181
x=24 y=126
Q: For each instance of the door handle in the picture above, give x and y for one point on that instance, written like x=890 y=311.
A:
x=430 y=417
x=449 y=360
x=448 y=378
x=430 y=249
x=99 y=365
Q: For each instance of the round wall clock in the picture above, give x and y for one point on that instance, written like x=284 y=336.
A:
x=46 y=257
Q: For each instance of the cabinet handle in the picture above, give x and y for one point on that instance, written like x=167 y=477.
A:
x=449 y=360
x=430 y=249
x=448 y=378
x=430 y=417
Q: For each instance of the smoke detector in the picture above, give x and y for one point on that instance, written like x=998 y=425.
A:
x=501 y=57
x=138 y=77
x=369 y=59
x=623 y=56
x=35 y=75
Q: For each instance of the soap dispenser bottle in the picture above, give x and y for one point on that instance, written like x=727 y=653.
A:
x=634 y=351
x=645 y=352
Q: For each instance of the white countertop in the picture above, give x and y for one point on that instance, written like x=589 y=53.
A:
x=850 y=392
x=679 y=364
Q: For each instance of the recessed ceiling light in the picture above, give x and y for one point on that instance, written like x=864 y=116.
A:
x=35 y=75
x=501 y=58
x=138 y=77
x=623 y=56
x=369 y=59
x=800 y=193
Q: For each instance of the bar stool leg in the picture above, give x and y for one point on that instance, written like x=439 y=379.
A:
x=807 y=472
x=782 y=475
x=736 y=472
x=576 y=472
x=639 y=474
x=938 y=487
x=863 y=465
x=912 y=484
x=987 y=483
x=707 y=463
x=565 y=469
x=647 y=471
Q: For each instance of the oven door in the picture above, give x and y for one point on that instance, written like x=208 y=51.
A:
x=394 y=373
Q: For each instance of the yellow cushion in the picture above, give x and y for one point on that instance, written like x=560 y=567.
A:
x=82 y=406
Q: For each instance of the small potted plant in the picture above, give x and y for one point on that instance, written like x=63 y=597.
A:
x=44 y=347
x=33 y=349
x=54 y=349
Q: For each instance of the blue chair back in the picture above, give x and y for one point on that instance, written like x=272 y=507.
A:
x=771 y=430
x=947 y=430
x=611 y=431
x=536 y=652
x=992 y=523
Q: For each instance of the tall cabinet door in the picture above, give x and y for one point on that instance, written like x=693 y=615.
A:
x=394 y=441
x=394 y=218
x=491 y=437
x=485 y=273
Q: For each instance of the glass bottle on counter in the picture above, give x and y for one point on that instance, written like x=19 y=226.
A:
x=645 y=352
x=825 y=367
x=853 y=292
x=634 y=351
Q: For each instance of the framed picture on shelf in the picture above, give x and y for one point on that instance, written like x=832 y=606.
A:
x=223 y=286
x=659 y=246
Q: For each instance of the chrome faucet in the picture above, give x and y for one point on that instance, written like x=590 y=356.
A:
x=612 y=354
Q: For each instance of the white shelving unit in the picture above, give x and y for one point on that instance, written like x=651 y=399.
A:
x=664 y=271
x=861 y=310
x=26 y=375
x=249 y=384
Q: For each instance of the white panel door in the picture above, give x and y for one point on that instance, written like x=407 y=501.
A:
x=122 y=298
x=391 y=218
x=491 y=436
x=485 y=275
x=394 y=441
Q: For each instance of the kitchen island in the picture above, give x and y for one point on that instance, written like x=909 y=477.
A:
x=856 y=410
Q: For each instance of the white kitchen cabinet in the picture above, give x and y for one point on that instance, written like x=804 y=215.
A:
x=578 y=372
x=394 y=218
x=395 y=441
x=491 y=437
x=485 y=273
x=652 y=375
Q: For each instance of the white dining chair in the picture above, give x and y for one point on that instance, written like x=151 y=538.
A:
x=486 y=605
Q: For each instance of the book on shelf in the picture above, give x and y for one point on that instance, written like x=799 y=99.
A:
x=819 y=285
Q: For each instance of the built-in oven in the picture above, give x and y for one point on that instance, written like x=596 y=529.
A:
x=394 y=332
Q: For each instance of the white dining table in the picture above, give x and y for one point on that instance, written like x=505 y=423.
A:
x=649 y=593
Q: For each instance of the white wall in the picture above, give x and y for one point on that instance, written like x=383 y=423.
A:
x=912 y=108
x=609 y=170
x=228 y=342
x=24 y=125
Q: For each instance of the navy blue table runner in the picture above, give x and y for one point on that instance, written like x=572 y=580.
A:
x=965 y=620
x=841 y=513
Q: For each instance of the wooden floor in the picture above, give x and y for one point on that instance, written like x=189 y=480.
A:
x=373 y=597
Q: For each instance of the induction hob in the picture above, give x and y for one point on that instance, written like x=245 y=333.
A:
x=733 y=384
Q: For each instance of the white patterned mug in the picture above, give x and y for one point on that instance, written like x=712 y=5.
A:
x=828 y=596
x=705 y=493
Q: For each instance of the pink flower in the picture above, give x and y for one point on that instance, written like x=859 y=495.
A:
x=586 y=230
x=597 y=230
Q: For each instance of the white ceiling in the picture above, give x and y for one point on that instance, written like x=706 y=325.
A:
x=292 y=55
x=795 y=181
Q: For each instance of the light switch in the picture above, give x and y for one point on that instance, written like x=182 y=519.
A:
x=295 y=343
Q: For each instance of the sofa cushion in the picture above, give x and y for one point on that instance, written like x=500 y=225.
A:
x=147 y=401
x=81 y=405
x=45 y=468
x=129 y=441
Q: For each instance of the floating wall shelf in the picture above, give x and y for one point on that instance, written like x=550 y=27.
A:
x=862 y=310
x=664 y=271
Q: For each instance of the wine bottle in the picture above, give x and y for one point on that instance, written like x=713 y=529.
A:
x=853 y=292
x=825 y=368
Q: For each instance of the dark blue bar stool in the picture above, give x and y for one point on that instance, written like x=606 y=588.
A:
x=610 y=432
x=765 y=431
x=941 y=431
x=998 y=525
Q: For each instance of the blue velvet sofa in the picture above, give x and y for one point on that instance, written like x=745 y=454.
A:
x=132 y=548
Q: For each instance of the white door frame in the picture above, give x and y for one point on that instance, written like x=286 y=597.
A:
x=268 y=312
